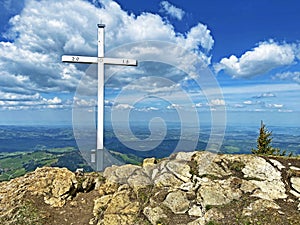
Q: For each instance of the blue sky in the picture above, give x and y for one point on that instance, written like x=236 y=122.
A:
x=250 y=50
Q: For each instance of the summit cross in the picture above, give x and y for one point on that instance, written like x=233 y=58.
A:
x=101 y=61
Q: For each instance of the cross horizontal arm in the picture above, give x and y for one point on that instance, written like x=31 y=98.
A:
x=121 y=62
x=87 y=59
x=79 y=59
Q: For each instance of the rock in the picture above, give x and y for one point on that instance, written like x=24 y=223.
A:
x=108 y=188
x=213 y=214
x=295 y=181
x=277 y=164
x=294 y=168
x=149 y=161
x=260 y=205
x=208 y=165
x=200 y=221
x=218 y=192
x=101 y=204
x=88 y=184
x=149 y=167
x=180 y=169
x=120 y=174
x=248 y=186
x=118 y=219
x=177 y=202
x=167 y=180
x=295 y=193
x=185 y=156
x=154 y=214
x=195 y=211
x=269 y=189
x=189 y=186
x=139 y=180
x=265 y=177
x=55 y=184
x=122 y=203
x=259 y=168
x=119 y=208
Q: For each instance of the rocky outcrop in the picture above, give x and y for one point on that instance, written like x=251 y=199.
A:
x=191 y=188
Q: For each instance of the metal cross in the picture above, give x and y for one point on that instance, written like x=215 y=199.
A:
x=100 y=60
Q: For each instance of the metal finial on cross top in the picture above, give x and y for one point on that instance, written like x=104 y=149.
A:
x=100 y=60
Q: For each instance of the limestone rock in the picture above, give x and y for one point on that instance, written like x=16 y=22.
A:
x=259 y=168
x=218 y=192
x=295 y=193
x=177 y=202
x=139 y=180
x=180 y=169
x=269 y=189
x=118 y=219
x=149 y=161
x=195 y=211
x=277 y=164
x=213 y=214
x=121 y=203
x=120 y=174
x=185 y=156
x=149 y=166
x=259 y=205
x=101 y=205
x=248 y=186
x=167 y=180
x=296 y=183
x=56 y=185
x=154 y=214
x=200 y=221
x=208 y=165
x=295 y=168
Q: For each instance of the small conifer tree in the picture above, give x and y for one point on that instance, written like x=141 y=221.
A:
x=264 y=146
x=264 y=140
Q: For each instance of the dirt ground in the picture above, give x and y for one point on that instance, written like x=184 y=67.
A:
x=79 y=211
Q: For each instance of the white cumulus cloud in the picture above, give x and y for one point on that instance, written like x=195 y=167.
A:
x=266 y=56
x=30 y=59
x=174 y=106
x=122 y=106
x=248 y=102
x=13 y=101
x=217 y=102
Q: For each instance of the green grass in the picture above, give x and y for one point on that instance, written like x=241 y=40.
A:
x=13 y=165
x=61 y=150
x=28 y=214
x=127 y=158
x=231 y=149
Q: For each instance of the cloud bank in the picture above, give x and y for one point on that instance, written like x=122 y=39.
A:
x=44 y=30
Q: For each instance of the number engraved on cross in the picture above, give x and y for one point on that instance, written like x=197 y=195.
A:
x=75 y=58
x=100 y=60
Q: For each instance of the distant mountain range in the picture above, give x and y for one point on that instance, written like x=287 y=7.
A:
x=24 y=148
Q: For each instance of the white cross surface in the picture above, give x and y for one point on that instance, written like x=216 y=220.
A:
x=100 y=60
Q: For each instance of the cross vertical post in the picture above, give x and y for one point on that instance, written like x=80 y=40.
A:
x=101 y=61
x=100 y=111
